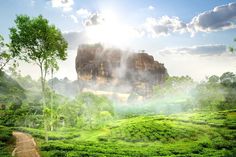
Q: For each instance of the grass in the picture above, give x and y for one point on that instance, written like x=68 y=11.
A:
x=92 y=148
x=173 y=135
x=148 y=129
x=216 y=119
x=5 y=140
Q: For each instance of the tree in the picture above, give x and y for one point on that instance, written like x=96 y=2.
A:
x=36 y=41
x=232 y=49
x=4 y=55
x=228 y=79
x=217 y=93
x=214 y=79
x=90 y=106
x=174 y=86
x=209 y=95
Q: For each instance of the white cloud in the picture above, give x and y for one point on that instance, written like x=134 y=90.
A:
x=150 y=7
x=201 y=50
x=83 y=13
x=220 y=18
x=164 y=26
x=66 y=5
x=74 y=18
x=197 y=61
x=94 y=19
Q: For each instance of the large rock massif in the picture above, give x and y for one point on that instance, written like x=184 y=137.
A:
x=138 y=72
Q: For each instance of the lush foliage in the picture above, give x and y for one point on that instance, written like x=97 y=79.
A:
x=88 y=124
x=35 y=40
x=5 y=139
x=11 y=97
x=11 y=93
x=149 y=136
x=217 y=93
x=92 y=111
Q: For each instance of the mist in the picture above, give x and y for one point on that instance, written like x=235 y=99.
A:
x=106 y=71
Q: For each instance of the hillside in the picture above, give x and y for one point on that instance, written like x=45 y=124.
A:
x=195 y=134
x=10 y=92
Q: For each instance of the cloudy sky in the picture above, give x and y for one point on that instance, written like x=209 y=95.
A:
x=189 y=37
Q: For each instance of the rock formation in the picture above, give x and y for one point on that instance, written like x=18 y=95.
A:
x=116 y=67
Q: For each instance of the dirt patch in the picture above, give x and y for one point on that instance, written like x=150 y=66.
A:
x=25 y=145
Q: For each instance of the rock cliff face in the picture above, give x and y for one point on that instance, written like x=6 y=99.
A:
x=116 y=67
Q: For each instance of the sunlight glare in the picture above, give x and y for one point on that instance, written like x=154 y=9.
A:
x=112 y=31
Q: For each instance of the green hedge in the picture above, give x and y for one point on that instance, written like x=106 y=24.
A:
x=76 y=148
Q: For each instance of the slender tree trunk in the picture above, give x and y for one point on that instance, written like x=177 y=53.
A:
x=44 y=102
x=51 y=126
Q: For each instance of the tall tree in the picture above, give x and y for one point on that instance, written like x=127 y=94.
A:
x=36 y=41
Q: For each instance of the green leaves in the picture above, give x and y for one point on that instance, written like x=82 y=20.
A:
x=34 y=40
x=87 y=110
x=228 y=79
x=217 y=93
x=4 y=55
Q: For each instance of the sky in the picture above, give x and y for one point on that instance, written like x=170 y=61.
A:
x=189 y=37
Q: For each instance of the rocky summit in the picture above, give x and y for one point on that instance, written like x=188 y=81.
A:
x=115 y=67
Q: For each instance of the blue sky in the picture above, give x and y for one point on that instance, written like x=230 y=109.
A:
x=184 y=35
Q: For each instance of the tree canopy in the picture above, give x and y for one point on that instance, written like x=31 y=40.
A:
x=34 y=40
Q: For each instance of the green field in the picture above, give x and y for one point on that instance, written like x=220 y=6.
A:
x=195 y=134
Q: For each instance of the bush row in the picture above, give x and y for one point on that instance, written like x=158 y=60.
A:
x=75 y=148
